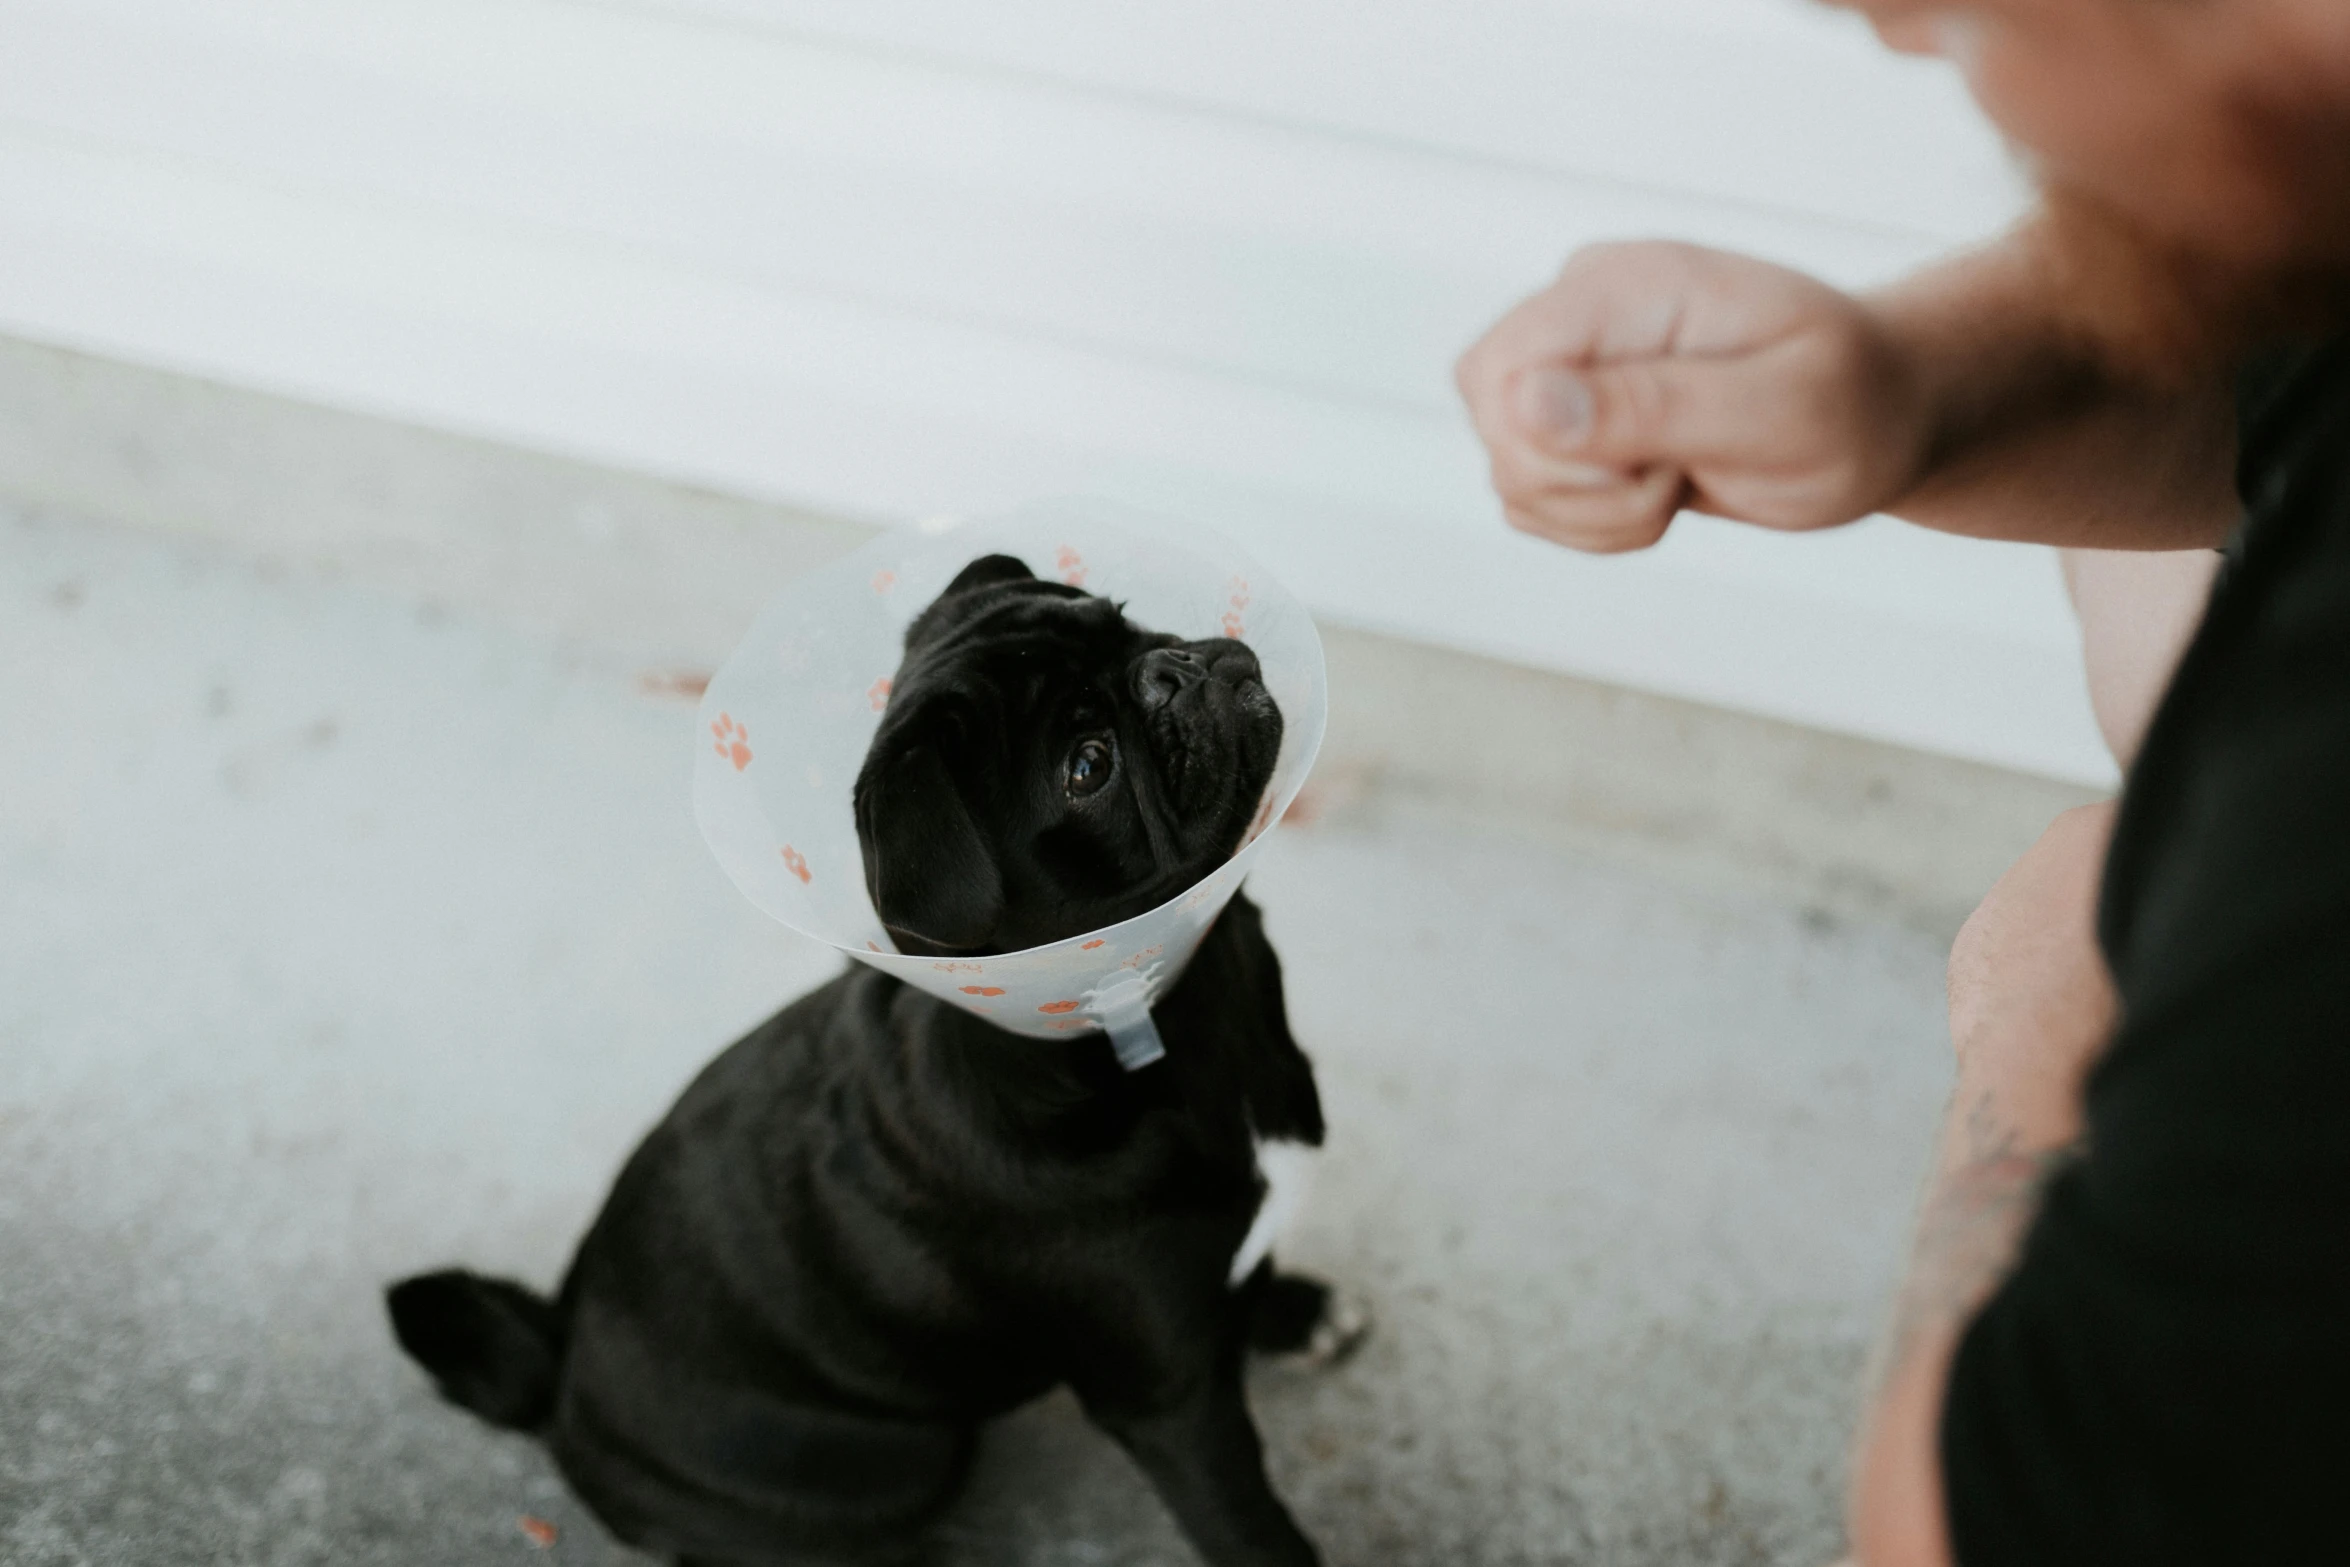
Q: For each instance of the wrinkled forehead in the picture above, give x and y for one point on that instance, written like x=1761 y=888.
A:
x=1003 y=656
x=1025 y=624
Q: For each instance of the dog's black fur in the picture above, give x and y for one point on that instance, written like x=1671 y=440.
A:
x=877 y=1220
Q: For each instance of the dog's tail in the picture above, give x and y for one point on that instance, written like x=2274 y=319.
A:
x=495 y=1348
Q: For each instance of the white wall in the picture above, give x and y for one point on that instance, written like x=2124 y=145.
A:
x=906 y=256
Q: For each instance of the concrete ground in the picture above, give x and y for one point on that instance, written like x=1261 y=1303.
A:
x=343 y=935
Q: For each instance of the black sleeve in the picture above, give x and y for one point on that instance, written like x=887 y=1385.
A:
x=2166 y=1376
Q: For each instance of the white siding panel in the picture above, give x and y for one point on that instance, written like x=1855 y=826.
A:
x=1780 y=103
x=906 y=257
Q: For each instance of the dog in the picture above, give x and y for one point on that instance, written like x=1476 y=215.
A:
x=877 y=1221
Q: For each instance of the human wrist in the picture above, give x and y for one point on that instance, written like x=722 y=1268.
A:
x=1903 y=389
x=1931 y=374
x=1985 y=354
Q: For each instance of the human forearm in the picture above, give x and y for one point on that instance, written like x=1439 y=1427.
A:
x=2014 y=1115
x=1969 y=1230
x=2031 y=1010
x=2031 y=436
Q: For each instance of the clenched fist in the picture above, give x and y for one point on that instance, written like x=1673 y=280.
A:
x=1651 y=377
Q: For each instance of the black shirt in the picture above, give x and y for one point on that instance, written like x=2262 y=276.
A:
x=2166 y=1376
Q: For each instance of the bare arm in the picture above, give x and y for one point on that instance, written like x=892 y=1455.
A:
x=2031 y=1009
x=1652 y=377
x=2138 y=611
x=2031 y=439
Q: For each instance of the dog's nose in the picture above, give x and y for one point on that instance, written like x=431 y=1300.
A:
x=1164 y=671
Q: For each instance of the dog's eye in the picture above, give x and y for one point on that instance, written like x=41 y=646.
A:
x=1089 y=766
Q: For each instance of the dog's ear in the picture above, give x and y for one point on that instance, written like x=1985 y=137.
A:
x=946 y=612
x=931 y=876
x=987 y=569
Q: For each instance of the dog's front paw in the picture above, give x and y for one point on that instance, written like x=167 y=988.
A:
x=1306 y=1322
x=1344 y=1324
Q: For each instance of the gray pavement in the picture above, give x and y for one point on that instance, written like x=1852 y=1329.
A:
x=341 y=935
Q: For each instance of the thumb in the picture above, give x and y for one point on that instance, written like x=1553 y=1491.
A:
x=1632 y=414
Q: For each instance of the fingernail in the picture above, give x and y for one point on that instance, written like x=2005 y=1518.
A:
x=1554 y=407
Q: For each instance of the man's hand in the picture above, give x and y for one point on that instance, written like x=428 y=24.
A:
x=1651 y=377
x=1654 y=376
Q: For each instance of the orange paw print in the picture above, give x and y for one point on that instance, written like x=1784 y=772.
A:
x=884 y=580
x=983 y=990
x=1137 y=960
x=1072 y=566
x=879 y=694
x=1059 y=1006
x=1237 y=599
x=796 y=862
x=733 y=741
x=1096 y=942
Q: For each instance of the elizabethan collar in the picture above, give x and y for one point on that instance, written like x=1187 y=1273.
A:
x=786 y=724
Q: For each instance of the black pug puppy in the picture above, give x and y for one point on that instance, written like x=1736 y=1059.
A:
x=877 y=1220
